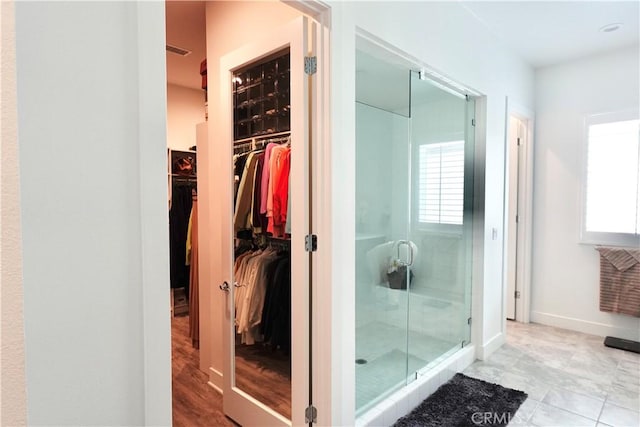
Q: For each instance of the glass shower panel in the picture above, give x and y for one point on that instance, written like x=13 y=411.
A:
x=441 y=222
x=382 y=213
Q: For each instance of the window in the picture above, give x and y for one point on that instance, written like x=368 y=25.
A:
x=612 y=188
x=441 y=183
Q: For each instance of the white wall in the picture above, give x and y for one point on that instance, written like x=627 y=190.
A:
x=565 y=282
x=445 y=36
x=13 y=407
x=185 y=109
x=93 y=195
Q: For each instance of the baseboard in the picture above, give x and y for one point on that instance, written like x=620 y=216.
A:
x=585 y=326
x=485 y=350
x=215 y=380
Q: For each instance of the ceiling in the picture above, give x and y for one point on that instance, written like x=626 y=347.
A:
x=549 y=32
x=540 y=32
x=388 y=86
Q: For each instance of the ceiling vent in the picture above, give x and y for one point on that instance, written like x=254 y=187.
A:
x=178 y=50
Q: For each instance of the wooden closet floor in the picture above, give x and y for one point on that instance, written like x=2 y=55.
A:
x=195 y=403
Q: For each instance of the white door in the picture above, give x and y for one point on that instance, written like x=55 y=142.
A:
x=515 y=141
x=245 y=401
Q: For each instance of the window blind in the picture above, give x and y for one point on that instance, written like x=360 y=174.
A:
x=441 y=183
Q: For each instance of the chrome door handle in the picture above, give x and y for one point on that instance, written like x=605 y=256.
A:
x=409 y=263
x=224 y=286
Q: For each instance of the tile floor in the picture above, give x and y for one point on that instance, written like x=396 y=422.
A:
x=572 y=379
x=385 y=347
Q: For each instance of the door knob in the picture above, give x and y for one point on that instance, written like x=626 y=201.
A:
x=224 y=286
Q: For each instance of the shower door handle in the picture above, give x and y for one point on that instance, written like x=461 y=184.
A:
x=408 y=263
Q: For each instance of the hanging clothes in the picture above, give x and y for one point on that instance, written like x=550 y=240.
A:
x=276 y=321
x=253 y=298
x=241 y=217
x=263 y=297
x=262 y=277
x=239 y=161
x=275 y=163
x=264 y=184
x=258 y=219
x=178 y=224
x=194 y=288
x=278 y=170
x=262 y=199
x=280 y=195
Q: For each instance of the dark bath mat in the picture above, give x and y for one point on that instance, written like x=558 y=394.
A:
x=466 y=402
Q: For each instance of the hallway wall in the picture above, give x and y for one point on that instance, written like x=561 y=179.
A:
x=94 y=214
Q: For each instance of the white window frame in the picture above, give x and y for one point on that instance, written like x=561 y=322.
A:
x=592 y=237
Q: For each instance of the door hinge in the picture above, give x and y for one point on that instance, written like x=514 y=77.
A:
x=473 y=122
x=517 y=294
x=310 y=65
x=469 y=321
x=519 y=142
x=311 y=414
x=310 y=243
x=517 y=219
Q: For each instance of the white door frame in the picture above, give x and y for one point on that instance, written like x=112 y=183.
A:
x=156 y=315
x=321 y=175
x=321 y=214
x=525 y=214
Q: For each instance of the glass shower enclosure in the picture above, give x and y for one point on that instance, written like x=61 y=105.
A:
x=414 y=194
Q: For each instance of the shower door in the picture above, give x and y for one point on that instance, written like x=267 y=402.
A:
x=442 y=164
x=414 y=181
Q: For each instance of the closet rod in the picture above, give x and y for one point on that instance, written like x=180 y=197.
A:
x=261 y=137
x=279 y=242
x=183 y=179
x=252 y=145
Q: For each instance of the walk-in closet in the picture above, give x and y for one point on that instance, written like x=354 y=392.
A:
x=193 y=399
x=239 y=104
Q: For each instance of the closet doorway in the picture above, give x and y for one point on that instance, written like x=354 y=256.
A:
x=254 y=269
x=193 y=400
